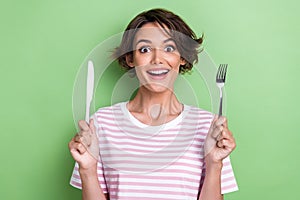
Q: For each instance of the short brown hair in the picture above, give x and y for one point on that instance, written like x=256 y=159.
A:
x=187 y=42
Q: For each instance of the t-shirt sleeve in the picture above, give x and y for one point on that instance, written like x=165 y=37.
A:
x=76 y=181
x=75 y=178
x=228 y=181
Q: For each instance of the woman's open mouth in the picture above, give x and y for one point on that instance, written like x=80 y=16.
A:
x=158 y=73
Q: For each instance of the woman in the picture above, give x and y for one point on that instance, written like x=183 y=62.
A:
x=153 y=146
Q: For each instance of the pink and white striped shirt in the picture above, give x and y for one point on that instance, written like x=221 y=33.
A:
x=139 y=161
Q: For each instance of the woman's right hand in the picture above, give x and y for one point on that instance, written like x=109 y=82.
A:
x=84 y=147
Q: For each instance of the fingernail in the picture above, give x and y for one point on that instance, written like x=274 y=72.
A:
x=221 y=120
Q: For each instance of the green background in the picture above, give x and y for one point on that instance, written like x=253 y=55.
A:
x=43 y=44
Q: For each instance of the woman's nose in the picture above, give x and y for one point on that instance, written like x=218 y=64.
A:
x=157 y=56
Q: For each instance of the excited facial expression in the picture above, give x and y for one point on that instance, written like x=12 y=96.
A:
x=155 y=58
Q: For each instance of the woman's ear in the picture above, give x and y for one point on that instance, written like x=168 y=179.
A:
x=129 y=60
x=182 y=61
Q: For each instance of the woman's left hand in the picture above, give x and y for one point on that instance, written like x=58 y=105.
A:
x=219 y=142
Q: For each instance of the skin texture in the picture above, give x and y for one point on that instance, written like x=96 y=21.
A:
x=156 y=104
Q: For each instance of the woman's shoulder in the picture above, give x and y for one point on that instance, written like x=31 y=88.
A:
x=198 y=116
x=110 y=109
x=198 y=111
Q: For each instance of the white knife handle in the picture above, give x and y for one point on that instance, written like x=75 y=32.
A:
x=87 y=112
x=89 y=89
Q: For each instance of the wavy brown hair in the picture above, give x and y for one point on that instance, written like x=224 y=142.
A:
x=186 y=41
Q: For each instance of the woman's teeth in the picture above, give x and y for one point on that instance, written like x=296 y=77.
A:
x=158 y=72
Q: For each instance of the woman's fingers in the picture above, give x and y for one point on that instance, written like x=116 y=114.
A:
x=92 y=126
x=217 y=131
x=225 y=133
x=219 y=125
x=226 y=140
x=81 y=154
x=219 y=138
x=84 y=146
x=226 y=144
x=77 y=138
x=76 y=146
x=85 y=132
x=221 y=121
x=84 y=138
x=83 y=126
x=88 y=137
x=80 y=148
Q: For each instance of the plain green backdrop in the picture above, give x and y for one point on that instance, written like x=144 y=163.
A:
x=43 y=44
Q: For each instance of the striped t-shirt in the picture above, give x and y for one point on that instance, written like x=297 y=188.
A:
x=138 y=161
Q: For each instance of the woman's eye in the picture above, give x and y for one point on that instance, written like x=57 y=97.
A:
x=145 y=49
x=170 y=48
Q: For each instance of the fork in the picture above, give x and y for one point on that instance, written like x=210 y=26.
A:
x=220 y=80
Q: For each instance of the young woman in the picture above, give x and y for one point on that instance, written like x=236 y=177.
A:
x=153 y=146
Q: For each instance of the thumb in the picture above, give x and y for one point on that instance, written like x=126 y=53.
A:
x=94 y=147
x=210 y=141
x=212 y=125
x=92 y=126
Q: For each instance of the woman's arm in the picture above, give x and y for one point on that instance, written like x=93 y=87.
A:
x=91 y=189
x=211 y=189
x=87 y=162
x=218 y=145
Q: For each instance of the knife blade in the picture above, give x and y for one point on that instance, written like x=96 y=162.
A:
x=89 y=89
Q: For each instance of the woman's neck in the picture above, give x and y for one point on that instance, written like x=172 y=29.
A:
x=154 y=108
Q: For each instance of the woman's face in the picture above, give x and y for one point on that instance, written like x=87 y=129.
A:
x=155 y=58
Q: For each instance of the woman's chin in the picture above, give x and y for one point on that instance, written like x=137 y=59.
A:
x=157 y=87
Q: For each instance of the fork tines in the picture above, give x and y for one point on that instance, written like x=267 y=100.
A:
x=221 y=74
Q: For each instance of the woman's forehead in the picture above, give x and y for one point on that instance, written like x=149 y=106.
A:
x=151 y=33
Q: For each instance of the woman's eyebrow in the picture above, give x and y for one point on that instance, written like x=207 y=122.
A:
x=169 y=40
x=149 y=41
x=143 y=40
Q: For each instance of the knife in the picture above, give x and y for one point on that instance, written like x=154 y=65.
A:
x=89 y=89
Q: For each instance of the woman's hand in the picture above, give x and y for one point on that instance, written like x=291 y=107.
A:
x=219 y=142
x=84 y=146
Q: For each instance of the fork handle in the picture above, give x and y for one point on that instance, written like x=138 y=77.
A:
x=220 y=107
